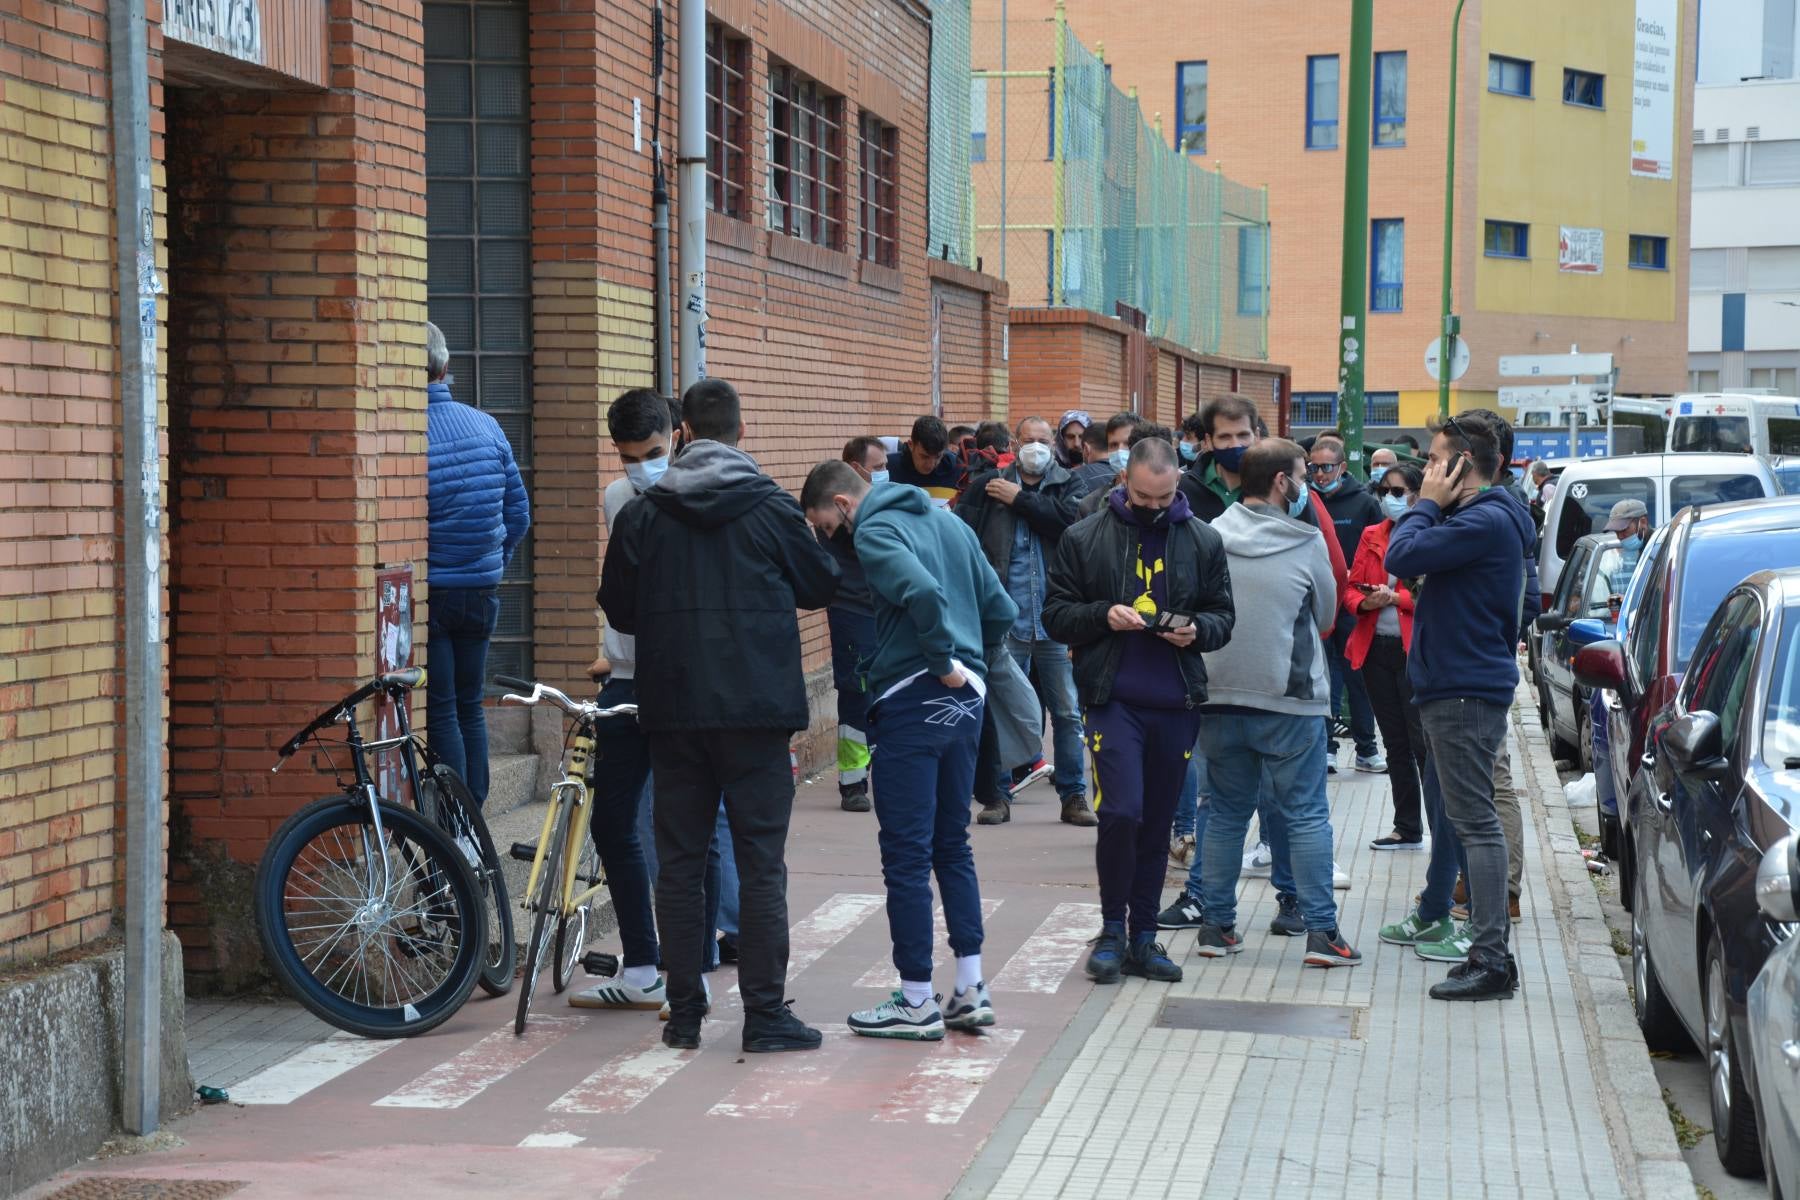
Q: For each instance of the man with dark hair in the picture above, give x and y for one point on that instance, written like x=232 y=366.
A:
x=1070 y=432
x=1122 y=433
x=1353 y=509
x=1098 y=442
x=989 y=450
x=961 y=436
x=1193 y=440
x=706 y=568
x=1019 y=514
x=1139 y=592
x=927 y=461
x=1472 y=541
x=938 y=606
x=850 y=619
x=1270 y=691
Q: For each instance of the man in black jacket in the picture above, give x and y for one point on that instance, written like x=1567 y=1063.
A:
x=1353 y=509
x=706 y=568
x=1019 y=514
x=1138 y=592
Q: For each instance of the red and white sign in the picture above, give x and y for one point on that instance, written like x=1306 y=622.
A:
x=1581 y=251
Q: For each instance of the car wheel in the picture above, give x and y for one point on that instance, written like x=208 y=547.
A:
x=1733 y=1114
x=1584 y=735
x=1543 y=705
x=1609 y=846
x=1655 y=1016
x=1560 y=746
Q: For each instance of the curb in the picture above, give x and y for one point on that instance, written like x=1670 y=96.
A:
x=1651 y=1163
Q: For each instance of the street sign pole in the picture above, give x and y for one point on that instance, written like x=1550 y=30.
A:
x=1353 y=341
x=1449 y=329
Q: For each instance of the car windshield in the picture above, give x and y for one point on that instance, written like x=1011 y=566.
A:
x=1685 y=490
x=1717 y=563
x=1781 y=719
x=1728 y=435
x=1587 y=503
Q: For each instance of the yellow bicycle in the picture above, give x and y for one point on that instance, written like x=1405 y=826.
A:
x=564 y=857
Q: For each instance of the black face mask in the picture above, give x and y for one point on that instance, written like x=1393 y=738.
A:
x=1147 y=515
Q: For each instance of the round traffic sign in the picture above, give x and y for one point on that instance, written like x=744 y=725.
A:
x=1459 y=358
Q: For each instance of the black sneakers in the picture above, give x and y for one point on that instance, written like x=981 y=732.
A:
x=1327 y=948
x=854 y=797
x=772 y=1033
x=1183 y=914
x=1215 y=941
x=1108 y=955
x=1287 y=920
x=1474 y=980
x=994 y=812
x=1148 y=959
x=682 y=1033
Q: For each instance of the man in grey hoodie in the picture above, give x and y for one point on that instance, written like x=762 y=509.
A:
x=1270 y=690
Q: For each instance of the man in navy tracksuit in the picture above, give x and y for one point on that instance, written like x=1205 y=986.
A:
x=478 y=514
x=1471 y=542
x=939 y=612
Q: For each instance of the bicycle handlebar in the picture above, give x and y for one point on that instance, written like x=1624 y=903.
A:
x=395 y=682
x=541 y=693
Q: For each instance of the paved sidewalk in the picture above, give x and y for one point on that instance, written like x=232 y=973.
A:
x=1531 y=1097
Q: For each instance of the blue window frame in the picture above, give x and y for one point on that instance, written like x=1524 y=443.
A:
x=1390 y=98
x=1190 y=107
x=1506 y=239
x=1509 y=76
x=1649 y=253
x=1253 y=270
x=1584 y=89
x=978 y=120
x=1322 y=102
x=1387 y=265
x=1381 y=408
x=1315 y=408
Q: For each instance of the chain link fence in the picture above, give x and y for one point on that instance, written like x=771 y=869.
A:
x=1078 y=201
x=952 y=198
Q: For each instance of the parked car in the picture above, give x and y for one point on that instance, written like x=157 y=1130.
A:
x=1697 y=559
x=1699 y=817
x=1604 y=707
x=1583 y=610
x=1775 y=1011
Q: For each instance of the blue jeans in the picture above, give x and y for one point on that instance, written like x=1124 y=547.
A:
x=1055 y=675
x=1241 y=751
x=1274 y=833
x=462 y=621
x=1446 y=861
x=924 y=766
x=1346 y=679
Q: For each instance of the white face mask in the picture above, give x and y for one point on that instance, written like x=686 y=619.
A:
x=1034 y=458
x=880 y=476
x=1119 y=458
x=643 y=475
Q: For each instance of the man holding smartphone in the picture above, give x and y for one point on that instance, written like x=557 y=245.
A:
x=1137 y=592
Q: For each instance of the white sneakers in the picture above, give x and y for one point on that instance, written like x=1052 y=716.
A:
x=1259 y=863
x=614 y=992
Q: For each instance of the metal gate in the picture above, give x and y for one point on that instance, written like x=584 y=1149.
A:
x=478 y=225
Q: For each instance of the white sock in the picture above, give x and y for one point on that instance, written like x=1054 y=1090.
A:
x=638 y=977
x=706 y=986
x=914 y=993
x=968 y=971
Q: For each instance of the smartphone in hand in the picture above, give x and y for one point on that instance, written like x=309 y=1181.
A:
x=1166 y=621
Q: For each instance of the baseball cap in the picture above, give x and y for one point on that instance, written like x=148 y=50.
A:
x=1624 y=513
x=1078 y=416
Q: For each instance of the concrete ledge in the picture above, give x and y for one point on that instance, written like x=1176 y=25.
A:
x=61 y=1035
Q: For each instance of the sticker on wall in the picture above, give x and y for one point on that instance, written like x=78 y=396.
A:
x=1581 y=251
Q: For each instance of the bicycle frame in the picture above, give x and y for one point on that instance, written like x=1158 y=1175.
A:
x=572 y=789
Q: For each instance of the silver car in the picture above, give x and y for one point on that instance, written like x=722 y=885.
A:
x=1774 y=1022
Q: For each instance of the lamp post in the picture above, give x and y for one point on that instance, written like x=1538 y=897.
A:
x=1451 y=326
x=1353 y=341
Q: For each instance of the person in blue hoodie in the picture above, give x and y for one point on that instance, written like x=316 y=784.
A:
x=1471 y=542
x=478 y=514
x=940 y=611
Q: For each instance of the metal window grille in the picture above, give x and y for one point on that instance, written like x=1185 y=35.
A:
x=478 y=244
x=1381 y=408
x=806 y=159
x=1315 y=408
x=880 y=191
x=727 y=120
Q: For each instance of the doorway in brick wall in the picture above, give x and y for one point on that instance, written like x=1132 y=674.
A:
x=478 y=244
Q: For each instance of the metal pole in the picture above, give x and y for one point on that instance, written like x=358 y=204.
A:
x=137 y=289
x=1218 y=257
x=1060 y=93
x=1446 y=331
x=1268 y=252
x=1353 y=343
x=691 y=144
x=1004 y=67
x=659 y=207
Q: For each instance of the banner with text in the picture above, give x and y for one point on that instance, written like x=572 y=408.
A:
x=1582 y=251
x=1655 y=78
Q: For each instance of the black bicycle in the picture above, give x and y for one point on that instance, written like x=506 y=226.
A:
x=381 y=918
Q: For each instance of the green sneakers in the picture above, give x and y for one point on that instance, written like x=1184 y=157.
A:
x=1453 y=949
x=1413 y=931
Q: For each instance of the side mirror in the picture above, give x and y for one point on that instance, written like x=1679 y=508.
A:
x=1587 y=631
x=1549 y=622
x=1778 y=882
x=1602 y=665
x=1696 y=745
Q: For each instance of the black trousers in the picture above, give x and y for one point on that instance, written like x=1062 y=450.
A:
x=750 y=768
x=1384 y=674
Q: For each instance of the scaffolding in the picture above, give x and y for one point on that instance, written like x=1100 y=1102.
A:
x=1080 y=202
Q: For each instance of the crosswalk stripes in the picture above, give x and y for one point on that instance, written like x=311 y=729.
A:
x=941 y=1088
x=313 y=1067
x=882 y=975
x=781 y=1083
x=454 y=1083
x=825 y=927
x=625 y=1081
x=1047 y=956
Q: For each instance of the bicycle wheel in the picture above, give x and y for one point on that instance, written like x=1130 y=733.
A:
x=545 y=904
x=377 y=938
x=572 y=930
x=450 y=803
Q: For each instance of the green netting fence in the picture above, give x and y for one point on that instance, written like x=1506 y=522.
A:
x=952 y=207
x=1079 y=201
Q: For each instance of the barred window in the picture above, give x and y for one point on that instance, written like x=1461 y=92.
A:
x=806 y=158
x=880 y=204
x=727 y=120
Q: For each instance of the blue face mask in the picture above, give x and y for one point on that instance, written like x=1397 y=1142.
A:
x=880 y=476
x=1631 y=543
x=1230 y=458
x=1297 y=505
x=1331 y=485
x=1375 y=474
x=1189 y=451
x=1119 y=458
x=1394 y=506
x=643 y=475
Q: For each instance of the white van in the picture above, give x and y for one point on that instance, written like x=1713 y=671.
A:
x=1666 y=483
x=1735 y=423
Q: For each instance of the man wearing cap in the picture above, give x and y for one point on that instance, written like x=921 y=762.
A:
x=1074 y=423
x=1630 y=520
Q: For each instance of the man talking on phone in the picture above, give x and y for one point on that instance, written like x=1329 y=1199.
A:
x=1137 y=592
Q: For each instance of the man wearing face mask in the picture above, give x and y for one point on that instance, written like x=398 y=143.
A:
x=1193 y=441
x=851 y=620
x=1379 y=462
x=938 y=606
x=1630 y=521
x=1104 y=469
x=1352 y=510
x=1019 y=515
x=1069 y=431
x=1139 y=592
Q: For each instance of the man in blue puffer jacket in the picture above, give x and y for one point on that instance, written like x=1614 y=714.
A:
x=479 y=513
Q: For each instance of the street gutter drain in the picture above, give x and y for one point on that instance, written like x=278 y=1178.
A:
x=125 y=1187
x=1281 y=1020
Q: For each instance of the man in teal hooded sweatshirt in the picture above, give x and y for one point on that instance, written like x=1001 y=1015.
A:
x=938 y=607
